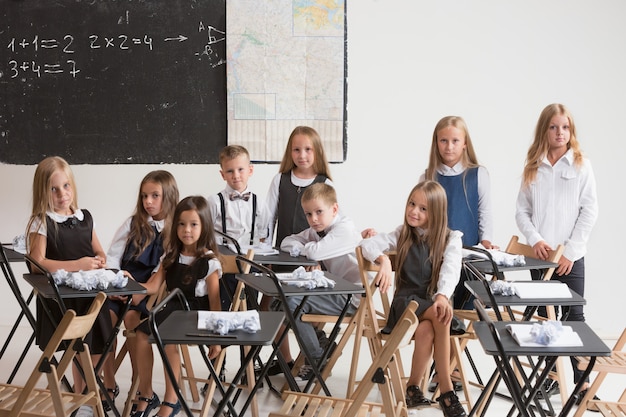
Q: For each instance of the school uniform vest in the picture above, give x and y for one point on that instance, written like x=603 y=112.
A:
x=414 y=278
x=141 y=266
x=185 y=277
x=462 y=193
x=69 y=241
x=291 y=218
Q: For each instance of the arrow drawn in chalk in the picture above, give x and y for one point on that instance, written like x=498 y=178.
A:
x=179 y=38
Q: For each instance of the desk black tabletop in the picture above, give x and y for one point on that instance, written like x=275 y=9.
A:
x=485 y=266
x=181 y=327
x=12 y=255
x=40 y=283
x=283 y=258
x=592 y=344
x=478 y=290
x=280 y=258
x=264 y=284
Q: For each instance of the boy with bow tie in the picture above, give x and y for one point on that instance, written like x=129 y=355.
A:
x=235 y=210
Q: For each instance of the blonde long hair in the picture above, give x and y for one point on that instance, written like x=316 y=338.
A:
x=540 y=146
x=468 y=158
x=437 y=235
x=42 y=193
x=320 y=164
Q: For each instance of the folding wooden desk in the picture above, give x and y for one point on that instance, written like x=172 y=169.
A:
x=524 y=395
x=45 y=287
x=480 y=290
x=181 y=328
x=267 y=282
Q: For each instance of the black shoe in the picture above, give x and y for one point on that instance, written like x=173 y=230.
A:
x=113 y=393
x=415 y=397
x=153 y=402
x=306 y=371
x=579 y=400
x=456 y=385
x=450 y=405
x=175 y=409
x=551 y=387
x=276 y=369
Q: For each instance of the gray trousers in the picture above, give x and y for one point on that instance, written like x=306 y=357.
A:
x=317 y=304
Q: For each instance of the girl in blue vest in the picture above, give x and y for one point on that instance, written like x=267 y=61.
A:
x=454 y=165
x=137 y=248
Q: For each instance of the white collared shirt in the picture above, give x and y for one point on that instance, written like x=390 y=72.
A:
x=336 y=249
x=120 y=239
x=238 y=217
x=450 y=271
x=560 y=206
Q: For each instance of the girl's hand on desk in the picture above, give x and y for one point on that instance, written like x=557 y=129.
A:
x=488 y=245
x=88 y=263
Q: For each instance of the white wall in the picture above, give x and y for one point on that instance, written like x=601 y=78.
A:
x=410 y=63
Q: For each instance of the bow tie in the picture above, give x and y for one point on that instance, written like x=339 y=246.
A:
x=321 y=234
x=236 y=196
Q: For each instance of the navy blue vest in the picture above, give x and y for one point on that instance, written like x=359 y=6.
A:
x=462 y=193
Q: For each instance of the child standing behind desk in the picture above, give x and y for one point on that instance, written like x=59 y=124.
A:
x=236 y=211
x=331 y=240
x=557 y=204
x=428 y=265
x=303 y=164
x=62 y=236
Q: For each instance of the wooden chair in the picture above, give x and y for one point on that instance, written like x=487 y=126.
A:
x=383 y=371
x=614 y=364
x=28 y=400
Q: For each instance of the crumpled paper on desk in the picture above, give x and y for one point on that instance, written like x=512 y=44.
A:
x=223 y=322
x=302 y=279
x=499 y=257
x=96 y=279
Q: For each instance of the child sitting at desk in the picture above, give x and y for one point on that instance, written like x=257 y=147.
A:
x=331 y=240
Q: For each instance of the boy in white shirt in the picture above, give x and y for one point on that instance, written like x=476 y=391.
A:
x=331 y=240
x=236 y=211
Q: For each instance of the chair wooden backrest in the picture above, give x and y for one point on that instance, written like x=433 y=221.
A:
x=614 y=364
x=28 y=400
x=517 y=248
x=382 y=371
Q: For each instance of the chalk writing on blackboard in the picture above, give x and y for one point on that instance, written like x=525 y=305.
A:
x=113 y=81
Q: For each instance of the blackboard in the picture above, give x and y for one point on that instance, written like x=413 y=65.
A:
x=113 y=81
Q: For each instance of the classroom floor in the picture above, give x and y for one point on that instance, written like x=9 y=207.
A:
x=268 y=401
